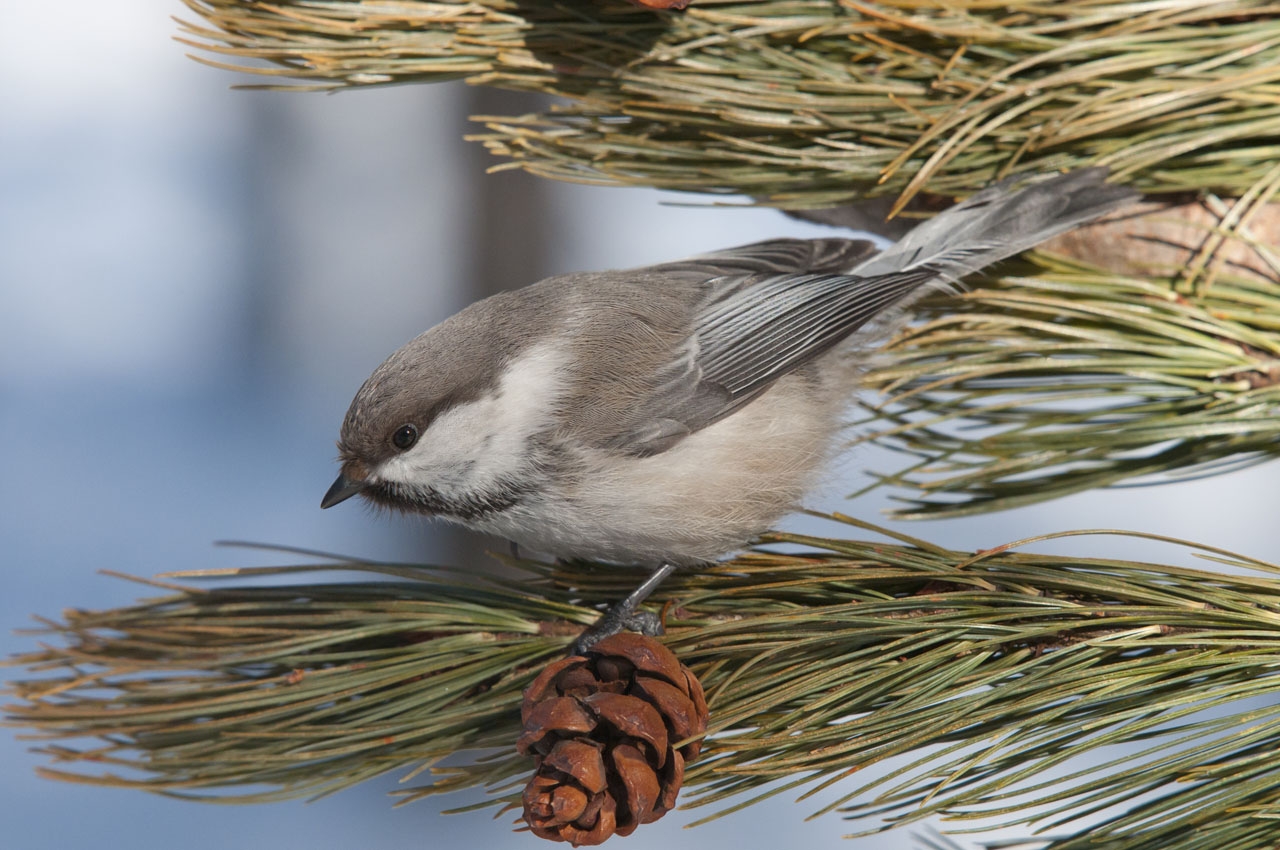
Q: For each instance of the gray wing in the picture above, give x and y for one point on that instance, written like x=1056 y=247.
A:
x=680 y=363
x=777 y=257
x=750 y=331
x=758 y=333
x=784 y=307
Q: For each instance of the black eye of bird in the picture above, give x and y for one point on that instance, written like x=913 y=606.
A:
x=405 y=436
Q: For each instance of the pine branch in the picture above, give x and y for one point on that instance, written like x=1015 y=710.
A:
x=806 y=103
x=1069 y=378
x=983 y=675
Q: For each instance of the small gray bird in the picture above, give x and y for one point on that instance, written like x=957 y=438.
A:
x=666 y=415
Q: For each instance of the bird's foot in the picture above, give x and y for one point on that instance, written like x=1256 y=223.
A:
x=626 y=616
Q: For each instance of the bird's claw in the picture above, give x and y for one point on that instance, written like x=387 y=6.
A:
x=625 y=616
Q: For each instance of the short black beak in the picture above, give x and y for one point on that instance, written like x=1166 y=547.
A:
x=344 y=488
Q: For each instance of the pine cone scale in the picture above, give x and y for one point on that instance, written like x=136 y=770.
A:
x=640 y=785
x=672 y=779
x=674 y=704
x=580 y=760
x=568 y=803
x=633 y=718
x=564 y=715
x=541 y=686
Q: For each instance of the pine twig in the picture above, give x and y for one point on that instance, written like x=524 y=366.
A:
x=980 y=673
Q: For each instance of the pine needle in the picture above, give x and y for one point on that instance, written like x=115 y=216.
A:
x=1068 y=378
x=812 y=102
x=985 y=678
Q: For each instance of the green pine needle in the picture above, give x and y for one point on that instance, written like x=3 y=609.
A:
x=987 y=677
x=1069 y=378
x=812 y=102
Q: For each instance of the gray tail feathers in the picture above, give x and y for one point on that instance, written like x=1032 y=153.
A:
x=999 y=222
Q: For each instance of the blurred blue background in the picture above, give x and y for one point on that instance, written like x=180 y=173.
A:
x=193 y=283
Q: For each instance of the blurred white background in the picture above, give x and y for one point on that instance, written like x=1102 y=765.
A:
x=193 y=283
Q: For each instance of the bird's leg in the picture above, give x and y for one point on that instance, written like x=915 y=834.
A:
x=625 y=615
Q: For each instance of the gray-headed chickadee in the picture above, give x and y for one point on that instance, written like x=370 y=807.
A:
x=665 y=415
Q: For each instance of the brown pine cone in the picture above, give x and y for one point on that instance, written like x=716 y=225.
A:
x=601 y=729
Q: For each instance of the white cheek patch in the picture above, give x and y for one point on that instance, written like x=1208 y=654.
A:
x=472 y=446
